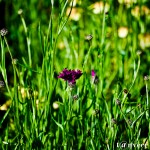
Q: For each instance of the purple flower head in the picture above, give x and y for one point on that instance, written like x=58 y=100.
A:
x=94 y=77
x=93 y=73
x=70 y=75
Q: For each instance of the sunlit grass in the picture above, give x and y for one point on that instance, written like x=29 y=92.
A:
x=108 y=104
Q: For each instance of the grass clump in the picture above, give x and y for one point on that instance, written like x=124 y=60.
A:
x=101 y=50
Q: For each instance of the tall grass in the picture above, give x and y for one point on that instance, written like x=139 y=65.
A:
x=107 y=111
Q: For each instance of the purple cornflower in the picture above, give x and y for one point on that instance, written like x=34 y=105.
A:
x=93 y=73
x=70 y=75
x=94 y=77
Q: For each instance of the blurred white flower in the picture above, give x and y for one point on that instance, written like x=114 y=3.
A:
x=55 y=105
x=138 y=11
x=123 y=32
x=144 y=40
x=20 y=11
x=75 y=13
x=100 y=7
